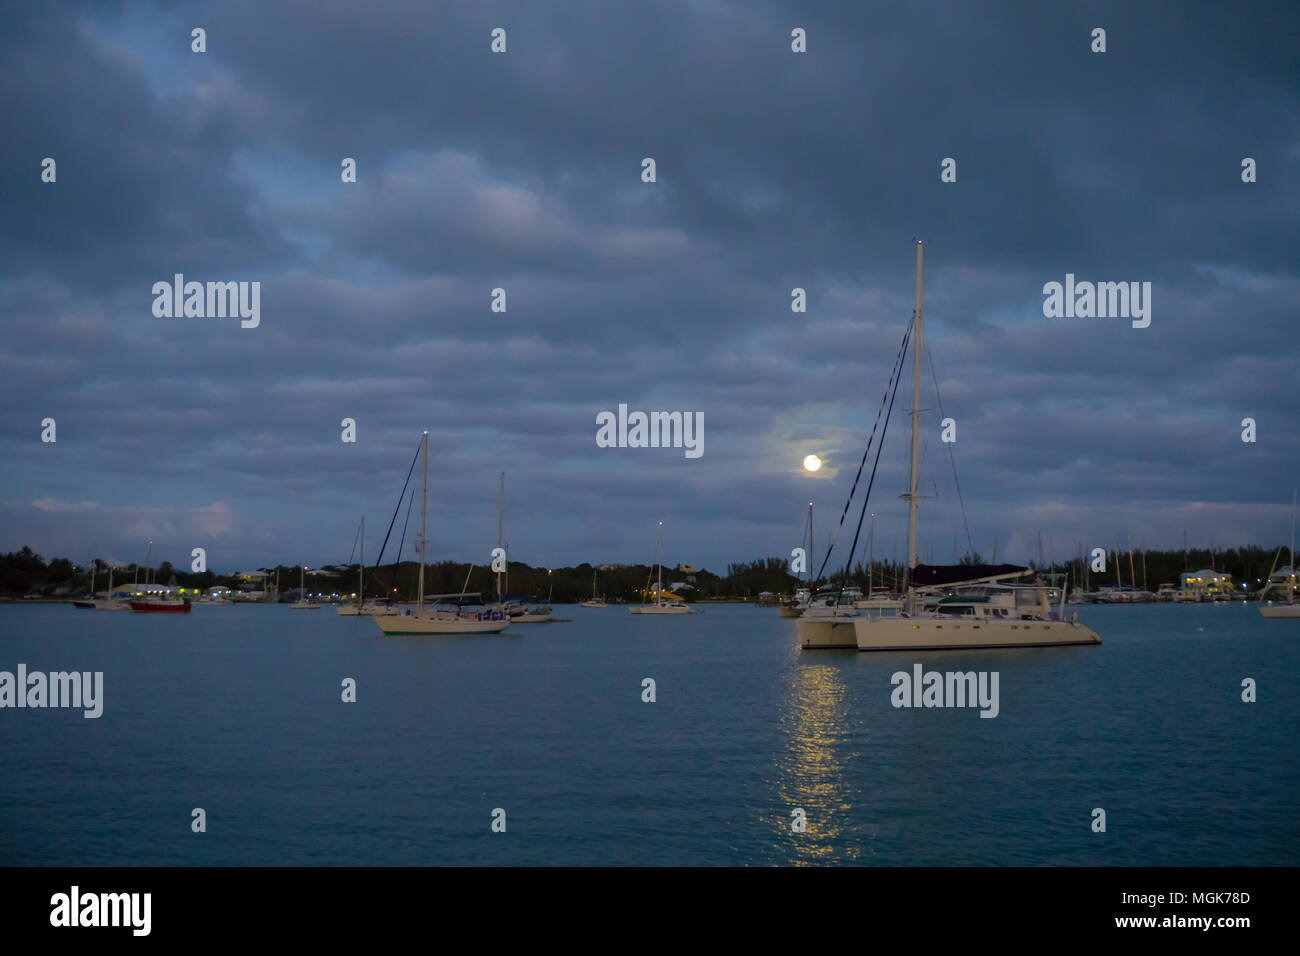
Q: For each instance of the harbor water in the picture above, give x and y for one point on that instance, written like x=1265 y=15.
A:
x=239 y=711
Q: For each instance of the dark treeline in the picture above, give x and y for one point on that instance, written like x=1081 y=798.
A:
x=25 y=573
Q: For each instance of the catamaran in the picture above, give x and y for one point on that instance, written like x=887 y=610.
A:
x=671 y=605
x=464 y=618
x=966 y=624
x=1290 y=609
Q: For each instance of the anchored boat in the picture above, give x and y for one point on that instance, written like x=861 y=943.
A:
x=463 y=618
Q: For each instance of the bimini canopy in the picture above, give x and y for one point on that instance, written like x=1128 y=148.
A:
x=946 y=575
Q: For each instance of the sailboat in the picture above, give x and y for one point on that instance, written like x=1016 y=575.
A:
x=302 y=604
x=802 y=596
x=362 y=608
x=96 y=603
x=1021 y=617
x=1290 y=609
x=520 y=610
x=673 y=605
x=595 y=601
x=156 y=601
x=437 y=620
x=878 y=598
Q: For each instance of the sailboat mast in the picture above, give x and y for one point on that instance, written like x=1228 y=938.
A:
x=811 y=550
x=916 y=416
x=871 y=556
x=361 y=570
x=424 y=497
x=1290 y=584
x=659 y=553
x=501 y=512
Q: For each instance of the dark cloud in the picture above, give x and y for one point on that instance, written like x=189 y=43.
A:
x=522 y=171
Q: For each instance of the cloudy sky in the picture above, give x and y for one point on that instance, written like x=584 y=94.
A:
x=523 y=170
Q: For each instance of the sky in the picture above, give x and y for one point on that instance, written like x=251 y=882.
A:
x=523 y=170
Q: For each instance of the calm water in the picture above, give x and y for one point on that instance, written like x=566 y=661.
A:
x=238 y=710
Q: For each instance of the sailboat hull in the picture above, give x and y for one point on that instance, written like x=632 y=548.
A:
x=1280 y=610
x=909 y=633
x=398 y=624
x=152 y=607
x=661 y=609
x=789 y=611
x=351 y=610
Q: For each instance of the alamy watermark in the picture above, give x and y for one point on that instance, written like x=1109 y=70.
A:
x=951 y=689
x=1100 y=300
x=58 y=689
x=651 y=430
x=211 y=300
x=75 y=908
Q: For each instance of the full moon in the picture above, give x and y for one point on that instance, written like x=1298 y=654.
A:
x=812 y=462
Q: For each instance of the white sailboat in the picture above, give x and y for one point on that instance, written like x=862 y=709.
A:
x=595 y=601
x=969 y=621
x=302 y=604
x=520 y=610
x=660 y=605
x=914 y=630
x=802 y=596
x=1290 y=609
x=96 y=603
x=362 y=608
x=436 y=620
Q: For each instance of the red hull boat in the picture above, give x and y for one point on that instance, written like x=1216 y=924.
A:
x=158 y=607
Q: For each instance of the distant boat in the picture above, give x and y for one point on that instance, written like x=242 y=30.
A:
x=363 y=608
x=673 y=605
x=462 y=620
x=302 y=604
x=162 y=604
x=97 y=603
x=1290 y=609
x=802 y=596
x=595 y=601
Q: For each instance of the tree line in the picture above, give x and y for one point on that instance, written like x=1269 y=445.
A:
x=25 y=573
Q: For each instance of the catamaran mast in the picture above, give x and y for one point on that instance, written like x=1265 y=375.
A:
x=916 y=413
x=424 y=495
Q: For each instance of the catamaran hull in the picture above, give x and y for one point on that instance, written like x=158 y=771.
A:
x=666 y=609
x=915 y=634
x=594 y=604
x=398 y=624
x=1280 y=610
x=826 y=634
